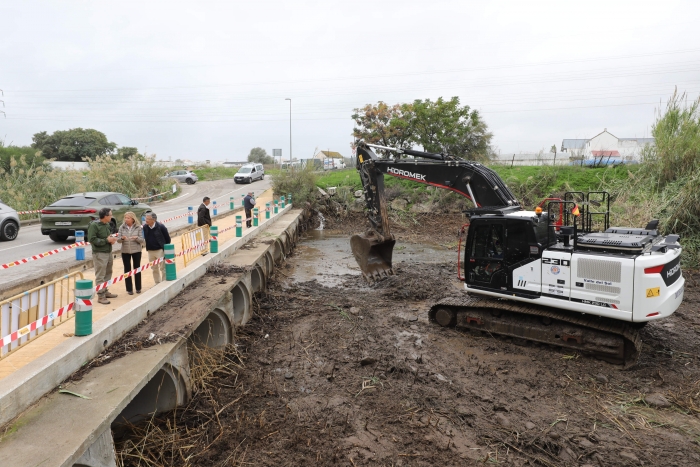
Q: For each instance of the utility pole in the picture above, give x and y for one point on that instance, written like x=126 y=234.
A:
x=290 y=130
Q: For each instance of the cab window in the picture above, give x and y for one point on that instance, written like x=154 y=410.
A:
x=488 y=242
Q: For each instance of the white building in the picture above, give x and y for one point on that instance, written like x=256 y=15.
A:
x=605 y=145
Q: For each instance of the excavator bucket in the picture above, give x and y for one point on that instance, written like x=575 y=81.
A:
x=373 y=254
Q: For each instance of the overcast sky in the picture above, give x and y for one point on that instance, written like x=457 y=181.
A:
x=208 y=79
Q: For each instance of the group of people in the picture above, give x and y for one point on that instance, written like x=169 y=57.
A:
x=133 y=237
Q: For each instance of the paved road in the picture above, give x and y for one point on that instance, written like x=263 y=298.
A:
x=31 y=242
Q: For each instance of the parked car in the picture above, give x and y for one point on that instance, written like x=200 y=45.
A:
x=186 y=176
x=9 y=222
x=249 y=173
x=63 y=218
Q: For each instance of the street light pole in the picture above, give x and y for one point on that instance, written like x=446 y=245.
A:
x=290 y=131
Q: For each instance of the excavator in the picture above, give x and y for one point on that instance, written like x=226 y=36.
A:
x=560 y=276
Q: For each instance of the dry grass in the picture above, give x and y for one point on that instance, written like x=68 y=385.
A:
x=179 y=437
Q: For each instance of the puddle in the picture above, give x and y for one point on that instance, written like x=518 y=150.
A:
x=328 y=258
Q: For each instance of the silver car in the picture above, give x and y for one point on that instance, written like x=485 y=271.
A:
x=249 y=173
x=186 y=176
x=9 y=222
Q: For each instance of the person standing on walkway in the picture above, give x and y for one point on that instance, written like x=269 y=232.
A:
x=248 y=205
x=203 y=217
x=131 y=238
x=101 y=240
x=156 y=236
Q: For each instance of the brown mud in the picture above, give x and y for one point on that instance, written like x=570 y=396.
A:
x=337 y=372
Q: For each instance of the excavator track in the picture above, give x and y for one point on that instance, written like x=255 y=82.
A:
x=607 y=339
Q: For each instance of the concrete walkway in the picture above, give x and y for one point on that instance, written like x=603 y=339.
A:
x=63 y=331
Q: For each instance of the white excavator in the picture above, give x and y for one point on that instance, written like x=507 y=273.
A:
x=560 y=276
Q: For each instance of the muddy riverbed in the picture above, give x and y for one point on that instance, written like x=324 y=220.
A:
x=338 y=372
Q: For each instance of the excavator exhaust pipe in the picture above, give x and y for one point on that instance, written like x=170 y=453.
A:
x=373 y=254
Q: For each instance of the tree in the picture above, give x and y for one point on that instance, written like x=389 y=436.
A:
x=260 y=156
x=447 y=127
x=383 y=125
x=73 y=145
x=443 y=126
x=128 y=152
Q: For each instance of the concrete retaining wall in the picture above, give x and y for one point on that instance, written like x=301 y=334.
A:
x=159 y=378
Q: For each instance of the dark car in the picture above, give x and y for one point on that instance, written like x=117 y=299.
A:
x=63 y=218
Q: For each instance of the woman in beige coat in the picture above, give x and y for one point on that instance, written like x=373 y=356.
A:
x=131 y=238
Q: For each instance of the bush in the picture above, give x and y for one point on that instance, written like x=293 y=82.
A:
x=28 y=186
x=300 y=182
x=134 y=178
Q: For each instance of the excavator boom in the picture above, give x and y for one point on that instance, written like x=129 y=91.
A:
x=373 y=249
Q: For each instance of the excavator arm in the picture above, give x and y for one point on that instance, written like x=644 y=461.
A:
x=373 y=250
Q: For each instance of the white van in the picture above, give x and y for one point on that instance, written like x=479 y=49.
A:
x=249 y=173
x=329 y=164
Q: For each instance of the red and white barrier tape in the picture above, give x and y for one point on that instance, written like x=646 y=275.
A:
x=121 y=277
x=33 y=326
x=74 y=245
x=28 y=212
x=42 y=255
x=152 y=196
x=65 y=309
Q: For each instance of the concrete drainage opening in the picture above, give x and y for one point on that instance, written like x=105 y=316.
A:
x=165 y=391
x=257 y=279
x=277 y=252
x=287 y=242
x=215 y=330
x=240 y=304
x=269 y=263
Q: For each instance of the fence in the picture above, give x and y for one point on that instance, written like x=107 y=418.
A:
x=534 y=160
x=193 y=238
x=27 y=307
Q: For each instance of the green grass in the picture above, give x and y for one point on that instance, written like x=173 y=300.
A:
x=530 y=184
x=340 y=177
x=215 y=173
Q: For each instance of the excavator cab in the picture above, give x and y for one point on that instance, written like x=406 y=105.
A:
x=496 y=245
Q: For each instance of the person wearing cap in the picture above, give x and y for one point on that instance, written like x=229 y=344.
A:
x=248 y=205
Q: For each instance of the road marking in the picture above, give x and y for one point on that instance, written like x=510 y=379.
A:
x=21 y=246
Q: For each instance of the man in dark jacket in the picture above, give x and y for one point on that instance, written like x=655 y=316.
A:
x=101 y=241
x=203 y=217
x=156 y=236
x=248 y=205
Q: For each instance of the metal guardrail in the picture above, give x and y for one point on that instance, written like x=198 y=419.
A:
x=27 y=307
x=192 y=238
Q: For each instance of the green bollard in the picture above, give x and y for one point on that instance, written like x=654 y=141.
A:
x=276 y=206
x=239 y=226
x=170 y=270
x=267 y=210
x=84 y=290
x=231 y=203
x=289 y=199
x=282 y=201
x=213 y=240
x=255 y=217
